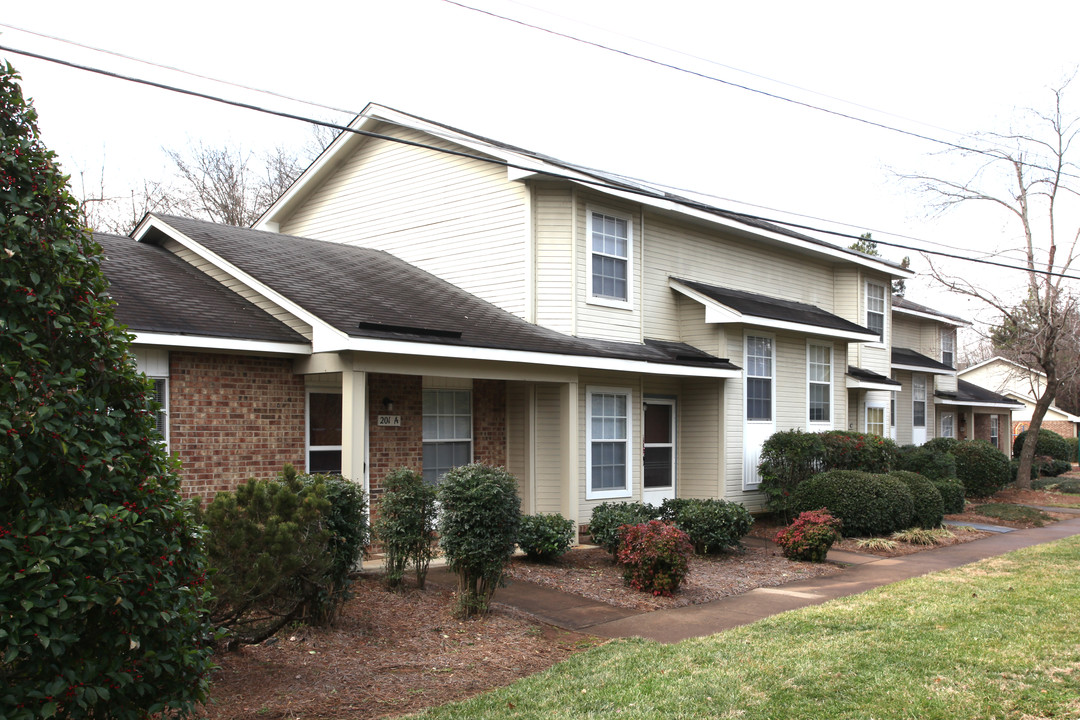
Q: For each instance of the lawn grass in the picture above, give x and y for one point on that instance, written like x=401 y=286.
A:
x=1014 y=513
x=993 y=639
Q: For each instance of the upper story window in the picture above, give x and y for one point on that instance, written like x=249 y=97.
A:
x=611 y=245
x=819 y=382
x=447 y=432
x=875 y=308
x=948 y=347
x=918 y=400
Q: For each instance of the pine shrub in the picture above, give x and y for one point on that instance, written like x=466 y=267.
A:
x=867 y=504
x=406 y=526
x=655 y=556
x=788 y=458
x=608 y=517
x=981 y=467
x=544 y=538
x=102 y=565
x=712 y=525
x=929 y=505
x=810 y=536
x=480 y=513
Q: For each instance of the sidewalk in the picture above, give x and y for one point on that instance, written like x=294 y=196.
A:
x=864 y=572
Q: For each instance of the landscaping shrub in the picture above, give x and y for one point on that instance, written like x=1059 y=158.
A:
x=545 y=537
x=712 y=525
x=347 y=521
x=480 y=513
x=655 y=556
x=929 y=505
x=941 y=444
x=1014 y=469
x=810 y=536
x=981 y=467
x=1074 y=448
x=928 y=461
x=1049 y=443
x=608 y=517
x=952 y=495
x=269 y=545
x=1056 y=467
x=788 y=458
x=405 y=526
x=1067 y=485
x=849 y=450
x=102 y=565
x=866 y=503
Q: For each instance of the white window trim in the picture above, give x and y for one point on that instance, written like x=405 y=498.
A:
x=948 y=333
x=925 y=402
x=627 y=491
x=885 y=310
x=941 y=424
x=164 y=400
x=591 y=299
x=817 y=425
x=884 y=420
x=472 y=419
x=747 y=485
x=995 y=430
x=308 y=447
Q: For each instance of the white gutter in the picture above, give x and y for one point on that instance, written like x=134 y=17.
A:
x=924 y=370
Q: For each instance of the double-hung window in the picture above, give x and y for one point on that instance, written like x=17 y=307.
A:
x=611 y=245
x=759 y=379
x=160 y=394
x=324 y=432
x=948 y=347
x=994 y=434
x=918 y=400
x=819 y=382
x=447 y=431
x=608 y=439
x=875 y=308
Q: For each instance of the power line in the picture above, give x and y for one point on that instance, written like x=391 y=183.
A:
x=603 y=184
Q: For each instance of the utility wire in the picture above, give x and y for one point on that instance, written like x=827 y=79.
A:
x=603 y=184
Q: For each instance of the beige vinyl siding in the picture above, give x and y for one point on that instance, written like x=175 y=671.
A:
x=908 y=334
x=839 y=396
x=549 y=434
x=700 y=441
x=945 y=383
x=456 y=218
x=693 y=329
x=676 y=249
x=237 y=287
x=601 y=321
x=847 y=293
x=553 y=237
x=519 y=427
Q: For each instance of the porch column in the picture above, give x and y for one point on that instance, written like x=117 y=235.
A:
x=568 y=399
x=354 y=426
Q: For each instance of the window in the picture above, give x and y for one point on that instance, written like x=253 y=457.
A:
x=819 y=381
x=948 y=425
x=892 y=413
x=875 y=308
x=447 y=431
x=759 y=378
x=608 y=438
x=324 y=432
x=994 y=436
x=611 y=248
x=948 y=347
x=918 y=401
x=160 y=394
x=875 y=419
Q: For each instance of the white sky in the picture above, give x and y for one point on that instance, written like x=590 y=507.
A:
x=934 y=68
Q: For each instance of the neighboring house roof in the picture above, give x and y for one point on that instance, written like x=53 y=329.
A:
x=870 y=380
x=523 y=163
x=907 y=359
x=157 y=292
x=364 y=293
x=971 y=394
x=1015 y=382
x=753 y=308
x=997 y=359
x=907 y=307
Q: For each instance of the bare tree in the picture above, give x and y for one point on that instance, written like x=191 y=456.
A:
x=1032 y=178
x=103 y=212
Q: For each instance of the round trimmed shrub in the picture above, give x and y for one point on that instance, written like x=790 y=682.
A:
x=1049 y=443
x=545 y=537
x=608 y=517
x=927 y=461
x=655 y=556
x=867 y=504
x=929 y=505
x=480 y=514
x=850 y=450
x=952 y=495
x=788 y=458
x=712 y=525
x=981 y=467
x=941 y=444
x=810 y=536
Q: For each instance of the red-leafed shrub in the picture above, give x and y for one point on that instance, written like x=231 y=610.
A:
x=655 y=556
x=810 y=536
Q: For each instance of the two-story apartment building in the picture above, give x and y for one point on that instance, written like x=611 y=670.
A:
x=425 y=297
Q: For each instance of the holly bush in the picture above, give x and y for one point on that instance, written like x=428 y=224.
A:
x=608 y=517
x=545 y=537
x=868 y=504
x=712 y=525
x=655 y=556
x=102 y=567
x=810 y=536
x=406 y=526
x=866 y=452
x=981 y=467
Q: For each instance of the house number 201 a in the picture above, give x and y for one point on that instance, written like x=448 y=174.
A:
x=389 y=421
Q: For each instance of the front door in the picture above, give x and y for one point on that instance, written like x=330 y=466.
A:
x=659 y=451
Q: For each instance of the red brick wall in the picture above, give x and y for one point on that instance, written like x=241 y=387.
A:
x=232 y=417
x=982 y=432
x=489 y=422
x=1063 y=428
x=392 y=447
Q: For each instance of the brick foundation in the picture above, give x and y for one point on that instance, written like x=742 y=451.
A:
x=233 y=417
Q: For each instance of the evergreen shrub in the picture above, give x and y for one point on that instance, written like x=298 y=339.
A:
x=929 y=504
x=1067 y=485
x=810 y=536
x=608 y=517
x=545 y=537
x=655 y=557
x=788 y=458
x=712 y=525
x=867 y=504
x=865 y=452
x=405 y=526
x=480 y=513
x=981 y=467
x=1049 y=443
x=952 y=495
x=927 y=461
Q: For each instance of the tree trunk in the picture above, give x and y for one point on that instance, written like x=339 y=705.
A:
x=1027 y=452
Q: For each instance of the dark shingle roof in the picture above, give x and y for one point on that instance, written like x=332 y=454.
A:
x=372 y=294
x=155 y=291
x=971 y=393
x=904 y=356
x=763 y=306
x=870 y=375
x=898 y=301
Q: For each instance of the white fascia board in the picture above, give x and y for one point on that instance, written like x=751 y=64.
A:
x=586 y=362
x=930 y=316
x=924 y=370
x=206 y=342
x=322 y=333
x=720 y=314
x=856 y=384
x=998 y=358
x=1005 y=406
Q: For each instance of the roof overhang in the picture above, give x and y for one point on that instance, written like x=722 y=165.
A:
x=206 y=342
x=720 y=314
x=930 y=316
x=853 y=383
x=922 y=369
x=968 y=403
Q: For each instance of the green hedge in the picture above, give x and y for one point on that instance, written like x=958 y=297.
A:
x=952 y=494
x=981 y=467
x=868 y=504
x=608 y=517
x=849 y=450
x=1049 y=443
x=929 y=504
x=930 y=462
x=544 y=538
x=788 y=458
x=712 y=525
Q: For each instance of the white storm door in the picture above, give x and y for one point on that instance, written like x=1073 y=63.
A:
x=759 y=403
x=658 y=451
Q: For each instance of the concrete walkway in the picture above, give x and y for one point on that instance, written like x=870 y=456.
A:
x=863 y=572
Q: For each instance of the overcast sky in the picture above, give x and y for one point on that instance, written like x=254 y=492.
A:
x=933 y=68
